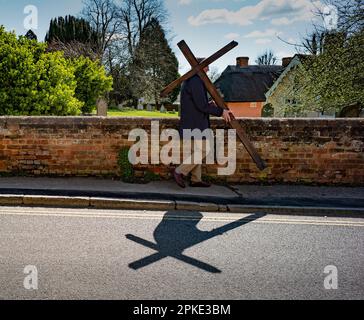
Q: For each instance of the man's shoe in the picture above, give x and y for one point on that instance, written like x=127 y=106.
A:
x=178 y=178
x=200 y=184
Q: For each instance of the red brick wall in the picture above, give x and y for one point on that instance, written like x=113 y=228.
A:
x=322 y=151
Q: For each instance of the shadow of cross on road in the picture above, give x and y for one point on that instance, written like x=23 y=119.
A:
x=176 y=234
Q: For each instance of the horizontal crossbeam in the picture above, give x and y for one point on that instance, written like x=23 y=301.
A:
x=198 y=68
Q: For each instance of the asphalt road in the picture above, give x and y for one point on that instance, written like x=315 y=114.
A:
x=108 y=254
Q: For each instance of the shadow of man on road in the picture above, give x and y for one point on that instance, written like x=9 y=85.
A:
x=178 y=232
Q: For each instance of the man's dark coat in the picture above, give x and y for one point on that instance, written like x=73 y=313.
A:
x=195 y=107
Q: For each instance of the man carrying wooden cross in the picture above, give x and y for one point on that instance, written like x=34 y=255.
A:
x=195 y=114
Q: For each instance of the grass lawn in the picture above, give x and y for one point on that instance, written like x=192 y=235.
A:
x=140 y=113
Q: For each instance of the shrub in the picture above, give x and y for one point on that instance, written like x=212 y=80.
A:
x=33 y=82
x=92 y=82
x=36 y=82
x=126 y=169
x=150 y=176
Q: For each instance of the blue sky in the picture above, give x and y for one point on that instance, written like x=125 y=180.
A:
x=206 y=25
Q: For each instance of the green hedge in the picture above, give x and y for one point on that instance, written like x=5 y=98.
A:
x=36 y=82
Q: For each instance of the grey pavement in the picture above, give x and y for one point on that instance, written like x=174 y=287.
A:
x=292 y=191
x=285 y=195
x=110 y=186
x=108 y=254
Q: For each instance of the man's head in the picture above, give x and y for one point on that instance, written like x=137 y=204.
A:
x=199 y=60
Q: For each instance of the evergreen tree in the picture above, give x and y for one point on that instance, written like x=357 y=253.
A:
x=31 y=35
x=70 y=29
x=154 y=65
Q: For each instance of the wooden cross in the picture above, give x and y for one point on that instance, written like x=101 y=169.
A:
x=197 y=68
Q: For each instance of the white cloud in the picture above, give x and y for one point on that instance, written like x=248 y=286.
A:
x=218 y=16
x=232 y=36
x=281 y=21
x=277 y=11
x=263 y=34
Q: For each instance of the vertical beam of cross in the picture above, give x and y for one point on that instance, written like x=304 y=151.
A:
x=235 y=124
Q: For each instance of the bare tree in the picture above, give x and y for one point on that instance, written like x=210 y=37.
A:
x=120 y=24
x=136 y=14
x=103 y=16
x=268 y=58
x=314 y=43
x=73 y=49
x=214 y=74
x=349 y=14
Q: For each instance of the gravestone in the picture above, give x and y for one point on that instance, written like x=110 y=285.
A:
x=140 y=104
x=101 y=107
x=163 y=109
x=149 y=107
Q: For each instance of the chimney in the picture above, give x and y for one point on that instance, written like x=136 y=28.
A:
x=286 y=61
x=242 y=62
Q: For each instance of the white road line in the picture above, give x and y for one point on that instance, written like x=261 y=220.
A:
x=160 y=216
